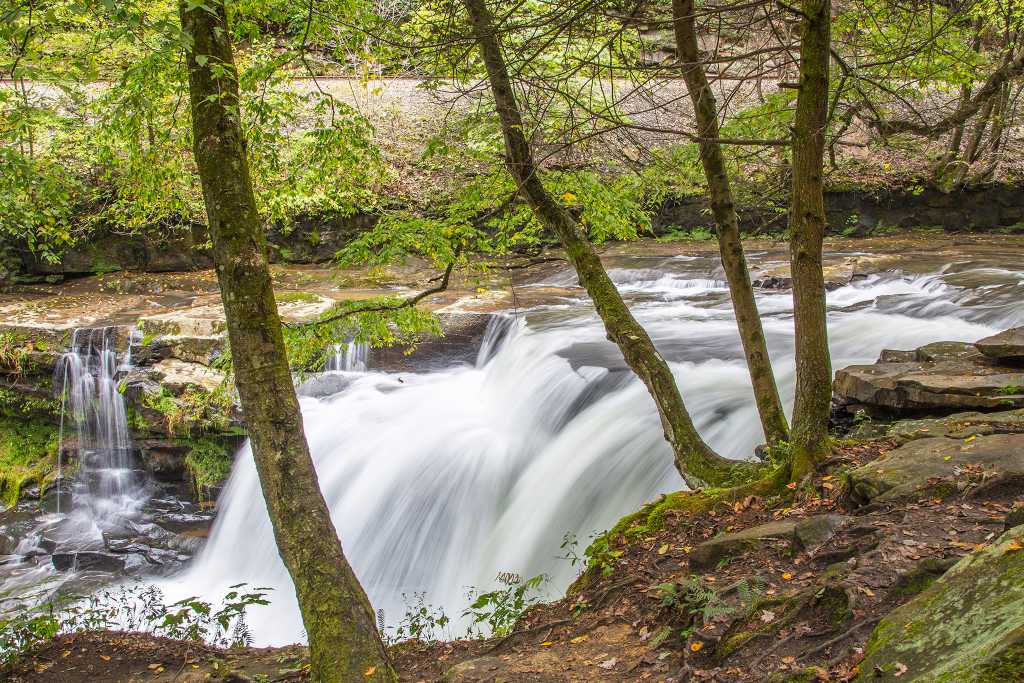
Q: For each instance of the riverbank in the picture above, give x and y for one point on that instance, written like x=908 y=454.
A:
x=805 y=587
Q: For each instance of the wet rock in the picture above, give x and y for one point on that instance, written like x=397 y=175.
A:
x=814 y=531
x=968 y=626
x=707 y=555
x=1005 y=346
x=325 y=385
x=901 y=474
x=953 y=381
x=88 y=560
x=164 y=458
x=945 y=350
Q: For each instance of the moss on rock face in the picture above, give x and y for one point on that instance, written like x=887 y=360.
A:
x=967 y=627
x=209 y=463
x=647 y=520
x=28 y=455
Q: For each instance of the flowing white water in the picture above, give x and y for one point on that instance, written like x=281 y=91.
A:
x=438 y=481
x=107 y=492
x=350 y=357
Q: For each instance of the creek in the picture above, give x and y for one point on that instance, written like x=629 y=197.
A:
x=438 y=481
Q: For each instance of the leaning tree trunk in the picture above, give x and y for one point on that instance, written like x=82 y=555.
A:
x=343 y=640
x=730 y=246
x=695 y=460
x=807 y=231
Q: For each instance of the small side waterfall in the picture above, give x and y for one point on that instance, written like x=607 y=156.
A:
x=107 y=489
x=350 y=357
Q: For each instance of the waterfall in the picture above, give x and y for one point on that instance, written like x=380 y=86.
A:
x=349 y=357
x=439 y=480
x=107 y=488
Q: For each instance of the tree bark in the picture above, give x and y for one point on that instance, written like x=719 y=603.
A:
x=730 y=246
x=696 y=461
x=807 y=231
x=343 y=640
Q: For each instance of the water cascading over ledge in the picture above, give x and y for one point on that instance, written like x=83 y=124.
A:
x=109 y=488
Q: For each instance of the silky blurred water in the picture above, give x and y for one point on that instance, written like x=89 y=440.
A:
x=438 y=481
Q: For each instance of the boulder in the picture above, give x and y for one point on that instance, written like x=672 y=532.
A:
x=903 y=472
x=959 y=425
x=955 y=380
x=945 y=350
x=1006 y=346
x=968 y=626
x=87 y=560
x=707 y=555
x=815 y=531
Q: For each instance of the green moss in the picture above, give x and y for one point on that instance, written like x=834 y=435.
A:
x=920 y=578
x=28 y=455
x=195 y=410
x=835 y=604
x=968 y=621
x=647 y=520
x=296 y=297
x=20 y=404
x=209 y=464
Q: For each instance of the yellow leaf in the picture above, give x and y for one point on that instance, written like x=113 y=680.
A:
x=663 y=549
x=579 y=639
x=972 y=437
x=696 y=646
x=687 y=549
x=568 y=197
x=369 y=672
x=547 y=643
x=1014 y=546
x=826 y=478
x=786 y=576
x=828 y=486
x=948 y=458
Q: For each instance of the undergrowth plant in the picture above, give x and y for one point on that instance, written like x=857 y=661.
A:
x=500 y=609
x=134 y=608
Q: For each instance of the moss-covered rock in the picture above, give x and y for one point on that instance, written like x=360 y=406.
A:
x=933 y=463
x=28 y=455
x=959 y=425
x=968 y=627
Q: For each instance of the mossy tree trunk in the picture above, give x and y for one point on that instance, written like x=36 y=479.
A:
x=343 y=639
x=696 y=461
x=807 y=231
x=730 y=246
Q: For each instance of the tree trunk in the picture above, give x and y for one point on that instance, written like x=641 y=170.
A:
x=696 y=461
x=730 y=246
x=807 y=230
x=343 y=640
